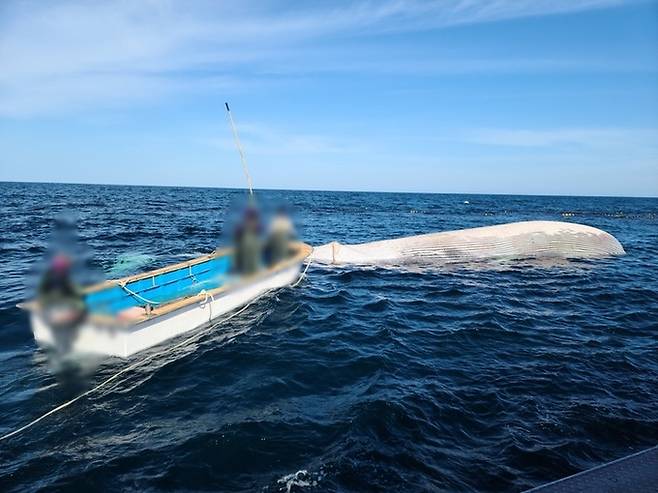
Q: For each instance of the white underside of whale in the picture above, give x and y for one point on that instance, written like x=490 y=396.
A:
x=528 y=239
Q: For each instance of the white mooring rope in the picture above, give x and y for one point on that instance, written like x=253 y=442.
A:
x=138 y=296
x=302 y=275
x=138 y=363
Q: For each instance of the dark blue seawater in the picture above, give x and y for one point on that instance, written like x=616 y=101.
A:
x=461 y=379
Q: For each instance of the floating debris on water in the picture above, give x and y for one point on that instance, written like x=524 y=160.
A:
x=130 y=262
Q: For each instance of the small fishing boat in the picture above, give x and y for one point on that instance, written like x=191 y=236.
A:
x=128 y=315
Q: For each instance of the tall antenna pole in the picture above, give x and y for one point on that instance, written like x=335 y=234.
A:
x=243 y=160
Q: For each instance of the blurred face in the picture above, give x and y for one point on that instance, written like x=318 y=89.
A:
x=61 y=264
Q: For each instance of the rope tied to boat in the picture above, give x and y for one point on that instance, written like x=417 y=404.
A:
x=205 y=301
x=192 y=276
x=206 y=296
x=303 y=274
x=138 y=296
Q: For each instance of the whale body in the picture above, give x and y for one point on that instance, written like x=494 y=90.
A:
x=527 y=239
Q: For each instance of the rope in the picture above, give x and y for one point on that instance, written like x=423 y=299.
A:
x=205 y=300
x=303 y=274
x=192 y=276
x=128 y=290
x=121 y=372
x=206 y=295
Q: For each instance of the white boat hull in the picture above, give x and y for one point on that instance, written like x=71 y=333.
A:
x=125 y=340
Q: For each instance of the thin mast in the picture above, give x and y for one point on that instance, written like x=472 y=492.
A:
x=239 y=146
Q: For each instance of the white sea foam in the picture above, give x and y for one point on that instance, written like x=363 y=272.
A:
x=300 y=479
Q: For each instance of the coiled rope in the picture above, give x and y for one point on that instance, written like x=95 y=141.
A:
x=140 y=362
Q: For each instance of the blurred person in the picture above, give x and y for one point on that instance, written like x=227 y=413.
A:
x=61 y=301
x=281 y=233
x=248 y=244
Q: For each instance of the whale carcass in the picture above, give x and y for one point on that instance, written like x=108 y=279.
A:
x=528 y=239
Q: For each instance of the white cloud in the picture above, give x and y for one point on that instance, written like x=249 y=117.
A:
x=584 y=138
x=266 y=140
x=70 y=55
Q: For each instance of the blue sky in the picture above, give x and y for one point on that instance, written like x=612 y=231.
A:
x=505 y=96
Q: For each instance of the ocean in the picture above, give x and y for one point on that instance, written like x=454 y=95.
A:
x=359 y=379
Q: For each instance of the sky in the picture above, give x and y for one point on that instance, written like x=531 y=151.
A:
x=451 y=96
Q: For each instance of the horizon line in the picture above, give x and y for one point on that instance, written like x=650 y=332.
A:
x=508 y=194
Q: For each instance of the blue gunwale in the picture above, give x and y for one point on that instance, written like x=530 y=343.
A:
x=160 y=286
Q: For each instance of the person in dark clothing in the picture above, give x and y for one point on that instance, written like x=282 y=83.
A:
x=61 y=302
x=56 y=281
x=248 y=244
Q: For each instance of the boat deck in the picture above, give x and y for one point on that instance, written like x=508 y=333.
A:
x=637 y=473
